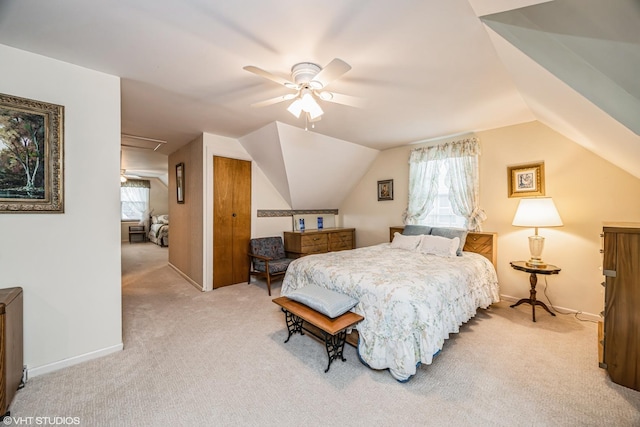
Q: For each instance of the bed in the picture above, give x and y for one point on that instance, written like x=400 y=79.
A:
x=411 y=301
x=159 y=230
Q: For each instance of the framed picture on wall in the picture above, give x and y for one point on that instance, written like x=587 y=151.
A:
x=526 y=180
x=180 y=182
x=31 y=156
x=385 y=190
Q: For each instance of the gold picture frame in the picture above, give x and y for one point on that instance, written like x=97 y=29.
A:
x=31 y=156
x=526 y=180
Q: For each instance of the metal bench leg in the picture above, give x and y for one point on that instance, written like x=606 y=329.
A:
x=335 y=347
x=294 y=324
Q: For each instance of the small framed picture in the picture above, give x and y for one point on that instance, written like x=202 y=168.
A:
x=526 y=180
x=180 y=182
x=385 y=190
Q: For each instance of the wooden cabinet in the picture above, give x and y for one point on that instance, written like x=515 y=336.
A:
x=300 y=243
x=231 y=220
x=11 y=346
x=621 y=268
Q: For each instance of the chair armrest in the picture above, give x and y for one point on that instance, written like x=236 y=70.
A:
x=263 y=258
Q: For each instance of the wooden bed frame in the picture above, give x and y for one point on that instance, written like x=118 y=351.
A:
x=484 y=243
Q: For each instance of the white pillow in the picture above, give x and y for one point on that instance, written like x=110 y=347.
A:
x=408 y=243
x=440 y=246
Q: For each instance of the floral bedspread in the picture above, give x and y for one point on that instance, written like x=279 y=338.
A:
x=159 y=234
x=410 y=301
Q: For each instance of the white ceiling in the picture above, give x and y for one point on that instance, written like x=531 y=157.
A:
x=426 y=68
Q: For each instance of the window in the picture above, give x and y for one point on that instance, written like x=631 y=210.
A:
x=443 y=186
x=442 y=214
x=134 y=199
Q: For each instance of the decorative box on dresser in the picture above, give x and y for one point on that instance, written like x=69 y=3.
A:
x=11 y=347
x=621 y=329
x=301 y=243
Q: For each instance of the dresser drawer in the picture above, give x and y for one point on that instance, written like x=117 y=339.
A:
x=478 y=243
x=341 y=241
x=313 y=243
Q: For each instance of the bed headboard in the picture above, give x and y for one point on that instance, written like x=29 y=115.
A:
x=484 y=243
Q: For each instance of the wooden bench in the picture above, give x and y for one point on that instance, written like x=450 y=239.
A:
x=334 y=331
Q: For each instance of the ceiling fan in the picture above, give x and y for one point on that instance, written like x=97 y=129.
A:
x=309 y=83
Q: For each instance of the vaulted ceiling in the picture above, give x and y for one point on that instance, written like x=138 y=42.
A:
x=426 y=69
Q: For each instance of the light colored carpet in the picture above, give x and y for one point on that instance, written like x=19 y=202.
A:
x=219 y=358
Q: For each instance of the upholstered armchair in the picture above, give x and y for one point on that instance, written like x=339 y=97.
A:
x=267 y=259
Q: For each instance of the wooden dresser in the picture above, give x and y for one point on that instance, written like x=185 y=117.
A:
x=11 y=345
x=300 y=243
x=621 y=268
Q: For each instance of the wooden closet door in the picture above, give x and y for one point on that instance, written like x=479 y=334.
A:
x=231 y=220
x=241 y=218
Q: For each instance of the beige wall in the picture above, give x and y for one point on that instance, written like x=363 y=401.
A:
x=186 y=224
x=587 y=191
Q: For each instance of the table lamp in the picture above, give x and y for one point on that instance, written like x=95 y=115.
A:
x=536 y=212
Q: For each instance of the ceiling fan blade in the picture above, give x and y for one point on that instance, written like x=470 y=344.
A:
x=351 y=101
x=275 y=100
x=267 y=75
x=332 y=71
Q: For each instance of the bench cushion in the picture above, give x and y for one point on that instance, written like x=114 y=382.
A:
x=325 y=301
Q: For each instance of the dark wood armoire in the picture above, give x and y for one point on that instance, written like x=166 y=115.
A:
x=621 y=268
x=231 y=220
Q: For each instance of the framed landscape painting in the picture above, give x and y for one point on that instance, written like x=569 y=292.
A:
x=526 y=180
x=31 y=156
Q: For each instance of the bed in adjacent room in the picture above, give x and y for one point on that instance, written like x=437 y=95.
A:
x=159 y=230
x=411 y=299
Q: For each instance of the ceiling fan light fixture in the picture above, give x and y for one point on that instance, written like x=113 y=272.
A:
x=315 y=113
x=310 y=105
x=295 y=108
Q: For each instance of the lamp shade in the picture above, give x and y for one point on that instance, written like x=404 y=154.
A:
x=537 y=212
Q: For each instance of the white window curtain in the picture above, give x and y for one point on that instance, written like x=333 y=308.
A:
x=134 y=199
x=462 y=179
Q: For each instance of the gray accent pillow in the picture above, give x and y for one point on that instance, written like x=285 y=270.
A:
x=416 y=230
x=328 y=302
x=450 y=233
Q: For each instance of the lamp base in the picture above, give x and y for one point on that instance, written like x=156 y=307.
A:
x=536 y=244
x=536 y=263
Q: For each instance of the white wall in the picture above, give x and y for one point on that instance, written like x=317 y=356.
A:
x=69 y=264
x=586 y=189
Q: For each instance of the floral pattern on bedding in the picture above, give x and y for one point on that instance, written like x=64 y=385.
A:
x=410 y=301
x=159 y=234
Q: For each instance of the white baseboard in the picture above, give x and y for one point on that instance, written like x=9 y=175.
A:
x=55 y=366
x=187 y=278
x=584 y=316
